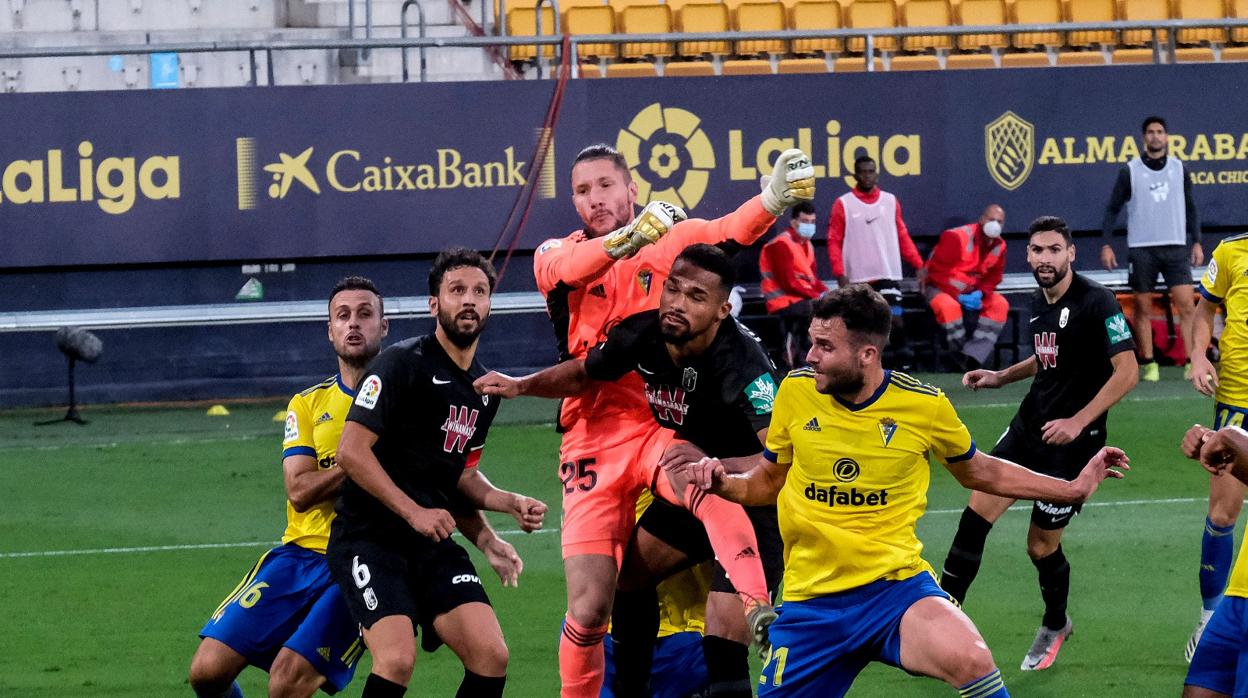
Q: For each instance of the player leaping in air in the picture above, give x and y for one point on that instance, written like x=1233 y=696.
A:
x=847 y=464
x=592 y=279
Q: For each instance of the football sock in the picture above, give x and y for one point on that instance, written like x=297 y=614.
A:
x=989 y=686
x=478 y=686
x=581 y=661
x=732 y=538
x=727 y=668
x=379 y=687
x=965 y=555
x=634 y=627
x=1217 y=547
x=1054 y=587
x=234 y=691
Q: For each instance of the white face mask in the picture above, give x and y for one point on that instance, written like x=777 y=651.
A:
x=806 y=230
x=992 y=229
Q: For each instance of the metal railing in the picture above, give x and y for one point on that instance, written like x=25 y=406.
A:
x=365 y=53
x=420 y=13
x=554 y=4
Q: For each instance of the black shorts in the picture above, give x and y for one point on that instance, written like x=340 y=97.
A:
x=1173 y=262
x=680 y=529
x=381 y=577
x=1024 y=445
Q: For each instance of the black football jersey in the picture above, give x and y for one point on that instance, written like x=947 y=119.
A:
x=430 y=426
x=1074 y=339
x=718 y=402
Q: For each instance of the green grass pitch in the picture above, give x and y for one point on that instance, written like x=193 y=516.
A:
x=108 y=573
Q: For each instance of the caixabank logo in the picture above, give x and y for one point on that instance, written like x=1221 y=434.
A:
x=317 y=171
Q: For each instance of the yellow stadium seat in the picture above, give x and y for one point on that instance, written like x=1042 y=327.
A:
x=522 y=21
x=1201 y=9
x=1085 y=11
x=1144 y=10
x=1025 y=59
x=926 y=13
x=1037 y=12
x=1239 y=10
x=631 y=70
x=646 y=19
x=592 y=20
x=756 y=17
x=981 y=13
x=1080 y=58
x=688 y=69
x=754 y=66
x=969 y=61
x=817 y=15
x=925 y=62
x=1127 y=56
x=872 y=14
x=703 y=17
x=590 y=70
x=855 y=64
x=734 y=5
x=1235 y=53
x=1193 y=54
x=790 y=66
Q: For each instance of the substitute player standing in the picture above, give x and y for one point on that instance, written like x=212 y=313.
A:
x=592 y=279
x=287 y=607
x=847 y=464
x=1084 y=364
x=410 y=449
x=1224 y=283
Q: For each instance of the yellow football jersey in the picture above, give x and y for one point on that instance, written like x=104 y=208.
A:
x=857 y=481
x=682 y=597
x=314 y=422
x=1226 y=281
x=1238 y=585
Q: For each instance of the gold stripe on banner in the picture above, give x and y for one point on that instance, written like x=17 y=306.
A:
x=245 y=155
x=546 y=178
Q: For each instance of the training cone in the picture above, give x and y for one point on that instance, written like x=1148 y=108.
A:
x=279 y=416
x=218 y=411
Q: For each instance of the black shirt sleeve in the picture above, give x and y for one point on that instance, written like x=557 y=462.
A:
x=1193 y=218
x=1117 y=199
x=619 y=352
x=387 y=382
x=1111 y=323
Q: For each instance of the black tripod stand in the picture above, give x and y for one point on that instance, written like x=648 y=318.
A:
x=71 y=414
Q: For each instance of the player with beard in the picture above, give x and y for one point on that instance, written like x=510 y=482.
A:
x=846 y=462
x=410 y=449
x=709 y=380
x=1083 y=365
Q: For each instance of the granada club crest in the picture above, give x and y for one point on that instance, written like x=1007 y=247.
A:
x=1010 y=149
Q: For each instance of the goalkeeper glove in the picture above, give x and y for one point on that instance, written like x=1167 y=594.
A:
x=654 y=221
x=791 y=181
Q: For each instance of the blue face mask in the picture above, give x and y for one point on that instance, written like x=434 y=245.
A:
x=806 y=230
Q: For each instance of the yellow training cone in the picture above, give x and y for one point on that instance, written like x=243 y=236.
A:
x=218 y=411
x=280 y=416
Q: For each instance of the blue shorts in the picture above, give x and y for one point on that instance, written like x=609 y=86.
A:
x=679 y=669
x=1221 y=660
x=819 y=646
x=1225 y=415
x=289 y=600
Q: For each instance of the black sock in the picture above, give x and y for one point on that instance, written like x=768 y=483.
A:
x=1054 y=587
x=378 y=687
x=1144 y=361
x=478 y=686
x=634 y=626
x=727 y=668
x=965 y=554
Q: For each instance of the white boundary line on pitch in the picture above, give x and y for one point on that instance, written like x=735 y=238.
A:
x=269 y=543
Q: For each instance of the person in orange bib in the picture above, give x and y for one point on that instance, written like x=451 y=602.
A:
x=790 y=280
x=963 y=272
x=613 y=268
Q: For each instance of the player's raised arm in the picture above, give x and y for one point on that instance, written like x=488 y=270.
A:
x=357 y=460
x=575 y=261
x=983 y=378
x=1002 y=478
x=561 y=380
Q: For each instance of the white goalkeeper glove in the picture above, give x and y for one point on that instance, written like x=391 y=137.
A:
x=790 y=182
x=654 y=221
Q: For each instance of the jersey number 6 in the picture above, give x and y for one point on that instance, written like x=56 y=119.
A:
x=582 y=472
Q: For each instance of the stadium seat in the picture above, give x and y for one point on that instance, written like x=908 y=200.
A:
x=755 y=66
x=703 y=17
x=1037 y=12
x=872 y=14
x=1086 y=11
x=1235 y=53
x=1131 y=56
x=1239 y=10
x=592 y=20
x=1081 y=58
x=924 y=62
x=855 y=64
x=817 y=15
x=791 y=66
x=1194 y=54
x=685 y=69
x=926 y=13
x=1201 y=9
x=1026 y=59
x=646 y=19
x=590 y=70
x=969 y=61
x=1144 y=10
x=631 y=70
x=981 y=12
x=522 y=21
x=760 y=16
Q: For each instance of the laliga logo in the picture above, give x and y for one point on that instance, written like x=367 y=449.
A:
x=669 y=155
x=1009 y=149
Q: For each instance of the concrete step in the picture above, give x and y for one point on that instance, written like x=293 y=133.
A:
x=165 y=15
x=443 y=63
x=47 y=15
